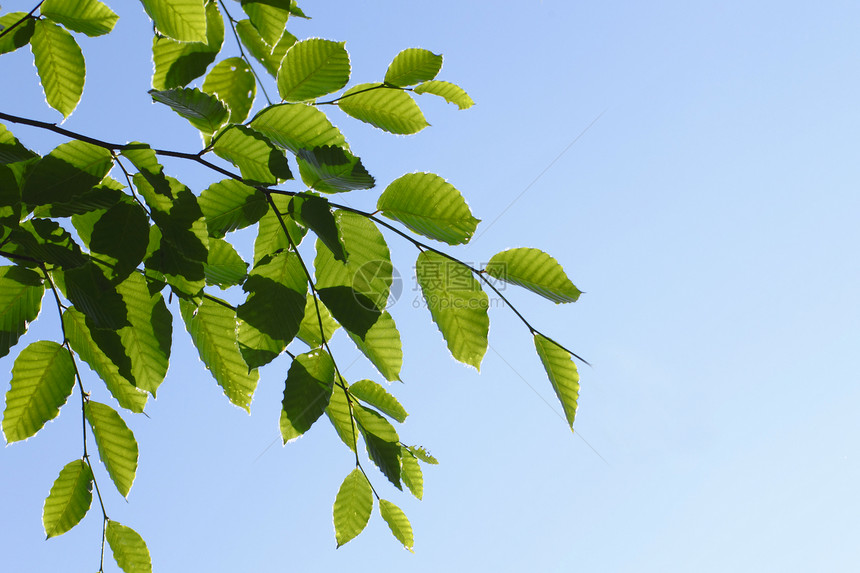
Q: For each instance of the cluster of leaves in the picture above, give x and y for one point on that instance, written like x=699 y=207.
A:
x=108 y=250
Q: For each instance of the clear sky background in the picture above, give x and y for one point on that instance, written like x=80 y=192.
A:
x=710 y=214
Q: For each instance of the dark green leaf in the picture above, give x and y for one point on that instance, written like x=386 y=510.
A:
x=380 y=437
x=182 y=20
x=452 y=93
x=535 y=270
x=128 y=548
x=11 y=150
x=297 y=126
x=332 y=170
x=46 y=241
x=233 y=82
x=307 y=392
x=562 y=374
x=315 y=213
x=390 y=109
x=18 y=37
x=229 y=205
x=89 y=17
x=352 y=507
x=397 y=522
x=205 y=111
x=69 y=500
x=259 y=161
x=177 y=62
x=313 y=68
x=70 y=170
x=21 y=293
x=372 y=393
x=60 y=64
x=412 y=66
x=117 y=446
x=94 y=295
x=122 y=233
x=270 y=234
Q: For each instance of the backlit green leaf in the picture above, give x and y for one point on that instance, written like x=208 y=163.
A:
x=412 y=66
x=313 y=68
x=182 y=20
x=423 y=455
x=233 y=82
x=178 y=61
x=269 y=56
x=340 y=416
x=259 y=161
x=94 y=295
x=315 y=213
x=411 y=473
x=562 y=374
x=397 y=522
x=11 y=150
x=382 y=443
x=457 y=304
x=307 y=392
x=309 y=329
x=270 y=234
x=224 y=267
x=352 y=507
x=89 y=17
x=269 y=17
x=297 y=126
x=60 y=64
x=42 y=380
x=372 y=393
x=21 y=293
x=332 y=170
x=451 y=93
x=381 y=344
x=128 y=548
x=122 y=233
x=18 y=37
x=390 y=109
x=70 y=170
x=430 y=206
x=229 y=205
x=117 y=446
x=47 y=241
x=213 y=329
x=535 y=270
x=205 y=111
x=69 y=500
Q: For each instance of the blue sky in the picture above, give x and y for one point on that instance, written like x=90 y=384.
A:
x=710 y=214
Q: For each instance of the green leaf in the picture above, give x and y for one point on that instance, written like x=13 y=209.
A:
x=224 y=267
x=229 y=205
x=21 y=293
x=70 y=170
x=122 y=233
x=315 y=213
x=18 y=37
x=307 y=392
x=232 y=80
x=42 y=380
x=340 y=416
x=457 y=304
x=381 y=344
x=397 y=522
x=535 y=270
x=389 y=109
x=352 y=507
x=269 y=17
x=270 y=57
x=383 y=445
x=410 y=472
x=266 y=328
x=117 y=446
x=205 y=112
x=412 y=66
x=177 y=61
x=213 y=329
x=562 y=374
x=332 y=170
x=60 y=64
x=100 y=198
x=69 y=500
x=309 y=329
x=89 y=17
x=82 y=342
x=429 y=206
x=182 y=20
x=296 y=11
x=46 y=241
x=11 y=150
x=297 y=126
x=372 y=393
x=270 y=234
x=259 y=161
x=128 y=548
x=451 y=93
x=147 y=339
x=94 y=295
x=313 y=68
x=422 y=455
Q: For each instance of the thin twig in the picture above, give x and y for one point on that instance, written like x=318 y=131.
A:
x=21 y=21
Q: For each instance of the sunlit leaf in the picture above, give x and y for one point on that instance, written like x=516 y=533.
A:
x=20 y=36
x=372 y=393
x=182 y=20
x=423 y=455
x=340 y=416
x=390 y=109
x=205 y=111
x=313 y=68
x=229 y=205
x=535 y=270
x=381 y=344
x=270 y=234
x=315 y=213
x=309 y=329
x=297 y=126
x=269 y=17
x=451 y=93
x=233 y=82
x=332 y=170
x=117 y=446
x=562 y=374
x=69 y=500
x=21 y=293
x=383 y=445
x=397 y=522
x=410 y=472
x=128 y=548
x=224 y=267
x=89 y=17
x=60 y=64
x=269 y=56
x=412 y=66
x=307 y=392
x=179 y=61
x=352 y=507
x=258 y=160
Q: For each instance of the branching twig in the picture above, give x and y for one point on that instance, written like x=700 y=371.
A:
x=21 y=21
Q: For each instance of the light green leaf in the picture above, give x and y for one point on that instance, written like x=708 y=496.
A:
x=315 y=213
x=451 y=93
x=390 y=109
x=42 y=380
x=309 y=329
x=340 y=416
x=457 y=304
x=372 y=393
x=313 y=68
x=224 y=267
x=397 y=522
x=307 y=392
x=182 y=20
x=332 y=170
x=381 y=344
x=89 y=17
x=68 y=171
x=269 y=17
x=535 y=270
x=229 y=205
x=117 y=446
x=213 y=329
x=423 y=455
x=410 y=472
x=20 y=36
x=352 y=507
x=296 y=11
x=205 y=111
x=21 y=293
x=429 y=206
x=177 y=62
x=81 y=339
x=233 y=82
x=69 y=500
x=60 y=64
x=297 y=126
x=562 y=374
x=259 y=161
x=267 y=55
x=412 y=66
x=128 y=548
x=270 y=234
